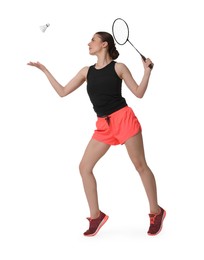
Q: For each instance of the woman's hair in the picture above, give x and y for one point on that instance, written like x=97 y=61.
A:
x=107 y=37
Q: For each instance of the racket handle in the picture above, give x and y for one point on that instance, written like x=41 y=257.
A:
x=151 y=66
x=144 y=59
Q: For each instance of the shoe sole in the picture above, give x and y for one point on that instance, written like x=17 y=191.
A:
x=164 y=215
x=99 y=227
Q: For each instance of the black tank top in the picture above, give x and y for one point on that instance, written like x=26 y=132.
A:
x=104 y=90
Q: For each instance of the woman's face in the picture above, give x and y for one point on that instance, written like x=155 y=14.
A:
x=95 y=45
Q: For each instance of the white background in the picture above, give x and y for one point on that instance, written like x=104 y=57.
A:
x=42 y=137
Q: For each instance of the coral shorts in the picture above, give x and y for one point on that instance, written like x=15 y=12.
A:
x=117 y=127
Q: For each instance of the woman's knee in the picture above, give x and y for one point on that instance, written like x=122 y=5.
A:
x=140 y=166
x=84 y=168
x=81 y=167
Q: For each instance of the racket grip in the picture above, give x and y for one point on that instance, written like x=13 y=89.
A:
x=144 y=59
x=151 y=66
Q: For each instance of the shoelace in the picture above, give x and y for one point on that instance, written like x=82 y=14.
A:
x=152 y=219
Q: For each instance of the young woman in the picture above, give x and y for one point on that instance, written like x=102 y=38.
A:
x=116 y=124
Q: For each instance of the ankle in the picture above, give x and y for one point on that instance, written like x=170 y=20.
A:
x=95 y=215
x=155 y=211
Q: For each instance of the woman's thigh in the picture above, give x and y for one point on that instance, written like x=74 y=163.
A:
x=93 y=152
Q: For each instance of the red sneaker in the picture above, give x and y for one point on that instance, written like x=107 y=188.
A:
x=96 y=224
x=156 y=221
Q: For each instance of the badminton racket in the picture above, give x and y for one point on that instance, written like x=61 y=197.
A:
x=120 y=31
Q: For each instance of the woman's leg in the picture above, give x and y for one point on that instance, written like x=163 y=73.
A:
x=94 y=151
x=135 y=150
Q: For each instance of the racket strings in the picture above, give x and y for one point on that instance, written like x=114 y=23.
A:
x=120 y=31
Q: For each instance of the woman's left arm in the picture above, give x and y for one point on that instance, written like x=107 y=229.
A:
x=137 y=89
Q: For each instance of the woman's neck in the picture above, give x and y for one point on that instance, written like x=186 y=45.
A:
x=103 y=62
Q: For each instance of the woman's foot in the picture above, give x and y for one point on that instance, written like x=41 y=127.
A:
x=96 y=224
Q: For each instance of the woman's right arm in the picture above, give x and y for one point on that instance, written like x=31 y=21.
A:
x=72 y=85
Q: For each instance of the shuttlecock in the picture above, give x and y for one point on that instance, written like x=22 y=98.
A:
x=43 y=28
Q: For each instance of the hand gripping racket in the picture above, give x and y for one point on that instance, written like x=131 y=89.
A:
x=120 y=31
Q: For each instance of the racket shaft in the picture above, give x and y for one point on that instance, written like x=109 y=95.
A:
x=143 y=57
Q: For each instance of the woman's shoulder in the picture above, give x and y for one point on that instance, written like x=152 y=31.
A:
x=120 y=64
x=85 y=70
x=120 y=68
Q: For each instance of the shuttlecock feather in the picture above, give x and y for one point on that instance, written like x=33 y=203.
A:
x=43 y=28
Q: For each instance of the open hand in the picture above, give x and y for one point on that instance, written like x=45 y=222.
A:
x=37 y=65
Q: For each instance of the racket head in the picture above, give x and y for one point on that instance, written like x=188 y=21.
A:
x=120 y=31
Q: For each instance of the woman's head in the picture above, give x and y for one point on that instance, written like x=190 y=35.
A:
x=108 y=38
